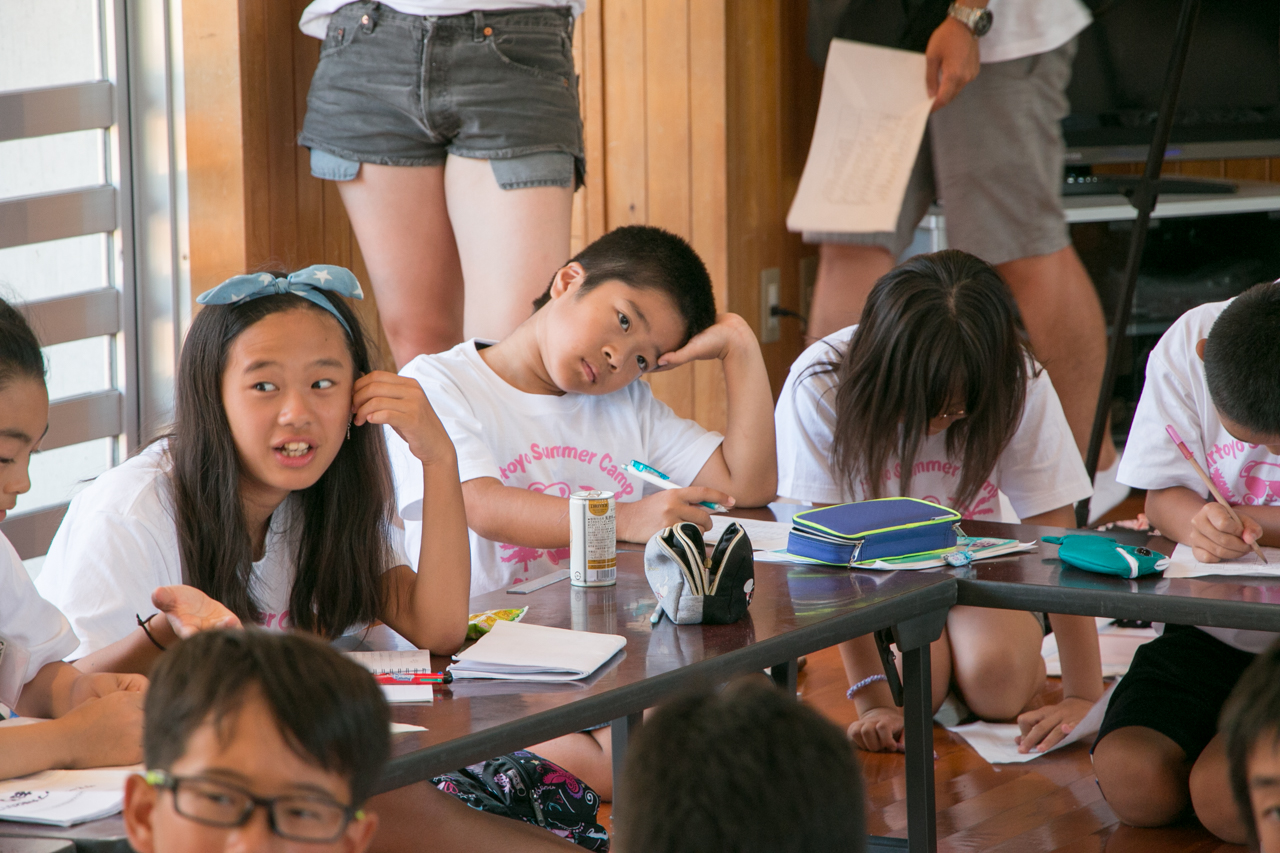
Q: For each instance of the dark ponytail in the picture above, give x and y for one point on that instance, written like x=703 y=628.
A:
x=20 y=355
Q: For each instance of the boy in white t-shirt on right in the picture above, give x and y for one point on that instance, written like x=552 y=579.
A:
x=1215 y=376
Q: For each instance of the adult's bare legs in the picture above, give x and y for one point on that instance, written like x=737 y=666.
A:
x=510 y=243
x=1068 y=333
x=400 y=219
x=846 y=274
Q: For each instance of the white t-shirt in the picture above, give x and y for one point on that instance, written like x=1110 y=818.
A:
x=315 y=18
x=119 y=542
x=1026 y=27
x=546 y=443
x=1177 y=393
x=1039 y=470
x=33 y=630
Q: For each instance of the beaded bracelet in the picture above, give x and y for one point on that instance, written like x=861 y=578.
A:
x=866 y=682
x=142 y=623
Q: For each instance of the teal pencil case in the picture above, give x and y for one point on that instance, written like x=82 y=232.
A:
x=1106 y=556
x=872 y=530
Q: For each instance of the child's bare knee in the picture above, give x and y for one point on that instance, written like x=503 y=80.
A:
x=1212 y=798
x=1143 y=776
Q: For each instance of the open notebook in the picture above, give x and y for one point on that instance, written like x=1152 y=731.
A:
x=393 y=663
x=519 y=651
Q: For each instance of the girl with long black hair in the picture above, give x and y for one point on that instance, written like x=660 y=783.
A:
x=935 y=395
x=272 y=492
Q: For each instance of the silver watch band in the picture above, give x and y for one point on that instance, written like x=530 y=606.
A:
x=977 y=20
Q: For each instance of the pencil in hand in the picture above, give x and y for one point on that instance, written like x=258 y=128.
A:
x=1213 y=490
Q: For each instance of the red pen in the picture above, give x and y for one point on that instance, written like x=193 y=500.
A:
x=414 y=678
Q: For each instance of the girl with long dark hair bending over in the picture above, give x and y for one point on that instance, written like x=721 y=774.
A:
x=935 y=395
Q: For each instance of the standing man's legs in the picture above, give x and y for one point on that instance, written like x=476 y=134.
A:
x=1068 y=333
x=400 y=220
x=846 y=274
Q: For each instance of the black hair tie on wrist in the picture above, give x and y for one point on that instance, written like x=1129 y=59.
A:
x=142 y=623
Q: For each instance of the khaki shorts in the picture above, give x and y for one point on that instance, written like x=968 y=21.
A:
x=993 y=157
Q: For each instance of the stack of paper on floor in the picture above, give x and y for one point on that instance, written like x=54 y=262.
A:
x=65 y=797
x=1185 y=565
x=519 y=651
x=393 y=663
x=996 y=743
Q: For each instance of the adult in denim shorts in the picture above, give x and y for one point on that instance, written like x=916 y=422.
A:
x=993 y=154
x=453 y=131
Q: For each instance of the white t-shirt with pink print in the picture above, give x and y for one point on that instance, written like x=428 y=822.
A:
x=1177 y=393
x=546 y=443
x=119 y=541
x=1038 y=471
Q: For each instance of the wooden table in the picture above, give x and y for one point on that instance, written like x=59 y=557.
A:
x=796 y=610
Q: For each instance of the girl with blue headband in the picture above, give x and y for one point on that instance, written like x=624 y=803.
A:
x=271 y=494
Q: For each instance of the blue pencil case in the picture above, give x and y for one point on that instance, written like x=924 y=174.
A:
x=872 y=530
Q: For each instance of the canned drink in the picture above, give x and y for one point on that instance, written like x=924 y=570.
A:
x=593 y=539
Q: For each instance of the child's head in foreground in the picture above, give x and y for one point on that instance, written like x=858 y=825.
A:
x=1251 y=726
x=24 y=404
x=1242 y=366
x=744 y=770
x=235 y=718
x=622 y=302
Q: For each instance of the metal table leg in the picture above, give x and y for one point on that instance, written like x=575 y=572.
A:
x=784 y=675
x=623 y=729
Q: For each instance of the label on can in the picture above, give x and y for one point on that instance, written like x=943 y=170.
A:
x=593 y=539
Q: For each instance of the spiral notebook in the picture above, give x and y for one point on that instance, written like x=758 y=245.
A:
x=393 y=663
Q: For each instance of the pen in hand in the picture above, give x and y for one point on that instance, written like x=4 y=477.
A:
x=1213 y=490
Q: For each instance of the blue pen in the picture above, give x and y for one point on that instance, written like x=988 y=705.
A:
x=662 y=481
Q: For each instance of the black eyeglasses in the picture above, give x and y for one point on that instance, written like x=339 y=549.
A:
x=296 y=817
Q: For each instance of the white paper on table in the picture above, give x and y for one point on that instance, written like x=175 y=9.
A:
x=995 y=741
x=871 y=119
x=401 y=728
x=519 y=651
x=65 y=797
x=1117 y=646
x=1184 y=565
x=764 y=535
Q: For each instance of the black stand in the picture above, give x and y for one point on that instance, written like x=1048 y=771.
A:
x=1144 y=201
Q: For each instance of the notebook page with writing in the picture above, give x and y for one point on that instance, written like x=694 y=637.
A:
x=393 y=663
x=523 y=652
x=1185 y=565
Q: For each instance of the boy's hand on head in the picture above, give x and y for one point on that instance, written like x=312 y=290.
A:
x=189 y=611
x=399 y=402
x=878 y=730
x=729 y=333
x=638 y=520
x=1045 y=726
x=106 y=731
x=1215 y=535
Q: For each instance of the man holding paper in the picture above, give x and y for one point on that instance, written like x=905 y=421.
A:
x=996 y=72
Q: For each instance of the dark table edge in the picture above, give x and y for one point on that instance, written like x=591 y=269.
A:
x=633 y=698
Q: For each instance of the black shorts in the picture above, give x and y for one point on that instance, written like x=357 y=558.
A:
x=1177 y=685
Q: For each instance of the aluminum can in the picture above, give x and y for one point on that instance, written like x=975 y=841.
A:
x=593 y=539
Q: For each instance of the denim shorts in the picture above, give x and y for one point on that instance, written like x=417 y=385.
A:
x=408 y=90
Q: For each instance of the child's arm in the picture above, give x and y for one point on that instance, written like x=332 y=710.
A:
x=535 y=520
x=1207 y=527
x=184 y=611
x=103 y=732
x=880 y=722
x=429 y=607
x=58 y=687
x=746 y=465
x=1081 y=684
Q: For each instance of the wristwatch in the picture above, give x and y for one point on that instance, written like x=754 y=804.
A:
x=977 y=20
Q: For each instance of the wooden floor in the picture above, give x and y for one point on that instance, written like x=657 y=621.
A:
x=1048 y=804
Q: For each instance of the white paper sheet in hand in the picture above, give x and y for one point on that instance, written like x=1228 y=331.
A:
x=519 y=651
x=65 y=797
x=995 y=741
x=764 y=535
x=871 y=119
x=1185 y=565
